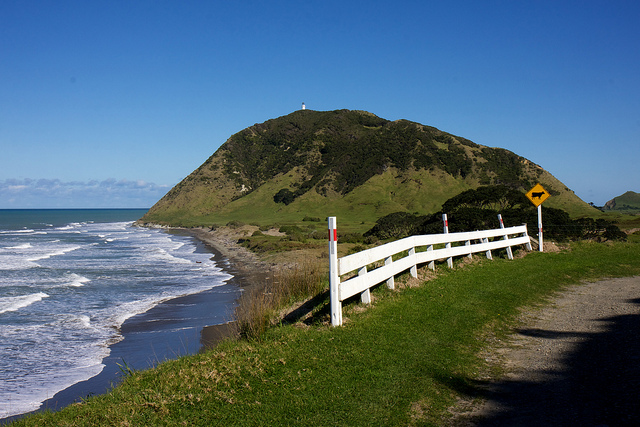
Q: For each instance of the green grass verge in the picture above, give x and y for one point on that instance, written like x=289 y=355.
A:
x=403 y=361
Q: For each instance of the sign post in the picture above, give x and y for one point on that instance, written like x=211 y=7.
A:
x=537 y=195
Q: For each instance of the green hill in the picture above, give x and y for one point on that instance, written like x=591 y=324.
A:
x=350 y=164
x=629 y=202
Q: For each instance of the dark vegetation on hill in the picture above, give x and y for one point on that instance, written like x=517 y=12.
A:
x=351 y=164
x=478 y=210
x=341 y=150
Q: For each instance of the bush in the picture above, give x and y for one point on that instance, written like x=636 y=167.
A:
x=612 y=232
x=296 y=237
x=290 y=229
x=235 y=224
x=350 y=238
x=285 y=196
x=478 y=210
x=395 y=225
x=356 y=249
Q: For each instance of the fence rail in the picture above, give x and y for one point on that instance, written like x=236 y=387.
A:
x=406 y=254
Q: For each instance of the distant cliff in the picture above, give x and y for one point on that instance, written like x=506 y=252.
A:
x=352 y=164
x=629 y=202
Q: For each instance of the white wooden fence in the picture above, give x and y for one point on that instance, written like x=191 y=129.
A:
x=408 y=253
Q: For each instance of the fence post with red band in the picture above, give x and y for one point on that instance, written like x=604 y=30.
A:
x=334 y=277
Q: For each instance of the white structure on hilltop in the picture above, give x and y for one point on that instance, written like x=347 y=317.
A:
x=303 y=106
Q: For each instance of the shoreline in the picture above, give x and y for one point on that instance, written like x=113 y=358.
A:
x=174 y=328
x=245 y=267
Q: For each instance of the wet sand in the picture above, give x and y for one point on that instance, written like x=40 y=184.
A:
x=246 y=268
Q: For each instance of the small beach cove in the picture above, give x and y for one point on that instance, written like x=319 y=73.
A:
x=174 y=327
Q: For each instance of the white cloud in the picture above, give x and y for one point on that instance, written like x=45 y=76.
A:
x=54 y=193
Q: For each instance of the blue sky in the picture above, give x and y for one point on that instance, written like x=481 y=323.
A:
x=111 y=103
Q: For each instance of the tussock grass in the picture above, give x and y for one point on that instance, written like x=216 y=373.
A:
x=403 y=361
x=261 y=306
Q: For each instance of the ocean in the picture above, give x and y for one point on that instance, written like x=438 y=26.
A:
x=77 y=285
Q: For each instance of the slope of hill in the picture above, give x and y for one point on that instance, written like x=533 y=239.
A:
x=350 y=164
x=629 y=202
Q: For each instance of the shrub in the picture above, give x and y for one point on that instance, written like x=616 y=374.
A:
x=395 y=225
x=290 y=229
x=612 y=232
x=478 y=210
x=349 y=238
x=235 y=224
x=285 y=196
x=356 y=249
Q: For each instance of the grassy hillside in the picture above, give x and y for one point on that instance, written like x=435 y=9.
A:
x=629 y=202
x=351 y=164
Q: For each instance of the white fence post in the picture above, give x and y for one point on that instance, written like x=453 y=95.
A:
x=365 y=296
x=448 y=244
x=391 y=284
x=506 y=237
x=414 y=269
x=432 y=264
x=488 y=253
x=528 y=244
x=334 y=277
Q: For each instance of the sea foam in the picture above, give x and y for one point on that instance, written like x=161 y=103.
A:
x=116 y=272
x=75 y=280
x=53 y=252
x=25 y=230
x=22 y=246
x=16 y=303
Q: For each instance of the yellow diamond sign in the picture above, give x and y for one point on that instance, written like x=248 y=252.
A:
x=537 y=195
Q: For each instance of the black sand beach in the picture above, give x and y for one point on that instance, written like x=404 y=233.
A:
x=174 y=328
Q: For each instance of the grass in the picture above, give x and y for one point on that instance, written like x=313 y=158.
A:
x=261 y=306
x=403 y=361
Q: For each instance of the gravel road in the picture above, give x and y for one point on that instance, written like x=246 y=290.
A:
x=575 y=362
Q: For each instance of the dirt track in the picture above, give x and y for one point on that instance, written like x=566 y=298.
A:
x=575 y=362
